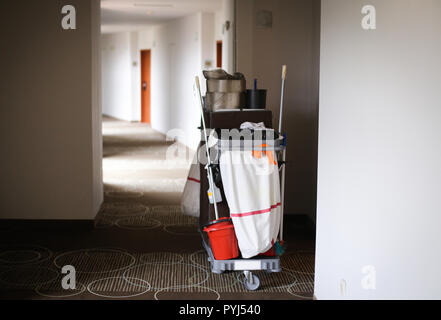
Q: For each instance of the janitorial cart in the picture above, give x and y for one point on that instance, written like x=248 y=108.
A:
x=237 y=142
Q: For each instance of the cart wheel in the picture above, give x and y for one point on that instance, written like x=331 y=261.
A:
x=251 y=286
x=217 y=271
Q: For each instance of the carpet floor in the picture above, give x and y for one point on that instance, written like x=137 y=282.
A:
x=142 y=246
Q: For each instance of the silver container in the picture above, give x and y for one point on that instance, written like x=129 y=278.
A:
x=214 y=85
x=215 y=101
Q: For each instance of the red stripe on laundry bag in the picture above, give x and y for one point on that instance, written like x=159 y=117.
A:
x=193 y=179
x=239 y=215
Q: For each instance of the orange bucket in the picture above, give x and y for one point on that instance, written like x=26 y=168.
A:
x=223 y=239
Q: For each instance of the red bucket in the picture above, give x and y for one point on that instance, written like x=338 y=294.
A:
x=270 y=253
x=223 y=239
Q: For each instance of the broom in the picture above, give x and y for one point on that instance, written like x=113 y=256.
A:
x=280 y=245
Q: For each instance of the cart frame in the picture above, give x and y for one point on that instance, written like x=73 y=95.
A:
x=269 y=264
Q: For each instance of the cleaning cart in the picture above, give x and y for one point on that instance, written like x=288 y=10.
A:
x=217 y=231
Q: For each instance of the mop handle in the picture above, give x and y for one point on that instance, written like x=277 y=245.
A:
x=283 y=154
x=210 y=173
x=282 y=197
x=198 y=89
x=281 y=97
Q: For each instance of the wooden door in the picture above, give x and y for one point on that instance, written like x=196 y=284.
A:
x=219 y=54
x=145 y=86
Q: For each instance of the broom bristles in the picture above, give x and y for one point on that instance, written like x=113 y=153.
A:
x=280 y=247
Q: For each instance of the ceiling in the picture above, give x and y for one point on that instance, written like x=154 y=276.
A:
x=130 y=15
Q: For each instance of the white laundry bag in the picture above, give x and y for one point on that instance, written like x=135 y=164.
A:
x=252 y=190
x=191 y=196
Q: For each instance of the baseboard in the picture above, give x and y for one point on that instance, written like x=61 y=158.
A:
x=45 y=224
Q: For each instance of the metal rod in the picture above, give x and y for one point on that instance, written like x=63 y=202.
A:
x=282 y=196
x=282 y=95
x=209 y=171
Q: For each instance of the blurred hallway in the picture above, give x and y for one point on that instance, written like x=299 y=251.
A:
x=138 y=162
x=141 y=168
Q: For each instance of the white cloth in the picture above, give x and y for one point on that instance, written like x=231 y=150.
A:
x=190 y=197
x=252 y=190
x=253 y=125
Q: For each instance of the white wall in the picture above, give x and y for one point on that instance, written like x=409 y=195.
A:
x=97 y=140
x=49 y=128
x=379 y=178
x=228 y=36
x=117 y=75
x=218 y=25
x=208 y=42
x=135 y=79
x=179 y=50
x=293 y=40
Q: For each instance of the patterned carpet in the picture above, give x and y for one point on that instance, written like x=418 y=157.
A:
x=116 y=273
x=142 y=246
